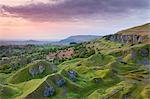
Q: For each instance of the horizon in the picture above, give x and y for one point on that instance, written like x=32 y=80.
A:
x=51 y=40
x=56 y=20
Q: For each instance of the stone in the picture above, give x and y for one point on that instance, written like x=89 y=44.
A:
x=135 y=38
x=144 y=52
x=72 y=75
x=41 y=69
x=133 y=54
x=54 y=68
x=60 y=82
x=140 y=39
x=146 y=61
x=73 y=72
x=33 y=72
x=49 y=91
x=14 y=66
x=139 y=62
x=120 y=58
x=97 y=80
x=114 y=91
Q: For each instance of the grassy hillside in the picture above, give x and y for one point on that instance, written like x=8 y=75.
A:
x=140 y=30
x=99 y=69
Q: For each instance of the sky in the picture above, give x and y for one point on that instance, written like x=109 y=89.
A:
x=58 y=19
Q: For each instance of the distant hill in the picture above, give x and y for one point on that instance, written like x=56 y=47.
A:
x=78 y=39
x=25 y=42
x=74 y=39
x=139 y=30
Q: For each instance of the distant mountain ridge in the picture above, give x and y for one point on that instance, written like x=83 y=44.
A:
x=26 y=42
x=67 y=41
x=78 y=39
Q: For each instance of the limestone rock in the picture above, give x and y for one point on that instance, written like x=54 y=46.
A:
x=97 y=80
x=41 y=69
x=33 y=71
x=144 y=52
x=72 y=75
x=60 y=82
x=49 y=91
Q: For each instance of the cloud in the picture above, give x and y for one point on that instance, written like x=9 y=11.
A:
x=76 y=9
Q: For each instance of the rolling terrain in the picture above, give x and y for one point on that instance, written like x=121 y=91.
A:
x=115 y=66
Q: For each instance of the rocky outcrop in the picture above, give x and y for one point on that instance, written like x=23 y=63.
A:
x=49 y=91
x=72 y=75
x=97 y=80
x=144 y=52
x=35 y=71
x=60 y=82
x=126 y=39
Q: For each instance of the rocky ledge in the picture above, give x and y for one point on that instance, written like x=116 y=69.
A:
x=126 y=39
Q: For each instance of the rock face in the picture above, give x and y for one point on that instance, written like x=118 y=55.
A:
x=125 y=39
x=49 y=91
x=72 y=75
x=141 y=53
x=41 y=69
x=33 y=72
x=60 y=82
x=144 y=52
x=36 y=70
x=133 y=55
x=53 y=68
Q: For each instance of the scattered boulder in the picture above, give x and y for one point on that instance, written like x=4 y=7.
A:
x=146 y=61
x=144 y=52
x=53 y=67
x=33 y=72
x=120 y=58
x=49 y=91
x=72 y=75
x=41 y=69
x=133 y=54
x=36 y=70
x=139 y=62
x=60 y=82
x=97 y=80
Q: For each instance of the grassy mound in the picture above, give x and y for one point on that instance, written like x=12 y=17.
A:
x=24 y=75
x=8 y=91
x=35 y=88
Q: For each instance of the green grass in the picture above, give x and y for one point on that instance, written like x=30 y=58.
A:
x=9 y=91
x=23 y=74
